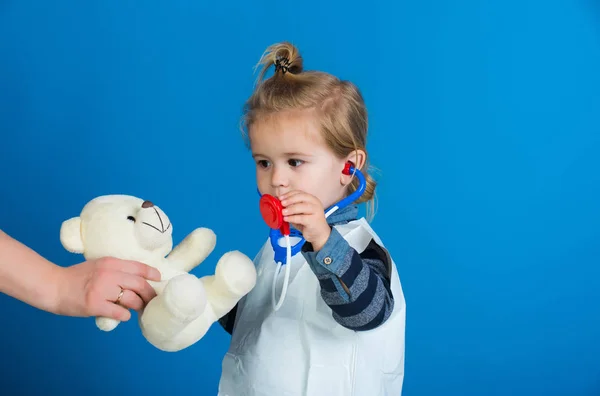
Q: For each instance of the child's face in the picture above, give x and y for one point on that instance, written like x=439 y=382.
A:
x=290 y=154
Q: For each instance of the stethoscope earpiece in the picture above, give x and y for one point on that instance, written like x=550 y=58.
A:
x=348 y=168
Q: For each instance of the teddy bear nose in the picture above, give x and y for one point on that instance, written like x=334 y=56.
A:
x=147 y=204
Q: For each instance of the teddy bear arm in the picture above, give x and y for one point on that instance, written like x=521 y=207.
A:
x=193 y=250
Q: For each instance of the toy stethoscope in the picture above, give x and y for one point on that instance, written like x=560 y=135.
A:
x=271 y=211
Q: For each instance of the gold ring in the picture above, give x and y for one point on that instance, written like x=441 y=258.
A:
x=120 y=295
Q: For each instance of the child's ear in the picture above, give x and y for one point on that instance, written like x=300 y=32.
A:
x=357 y=158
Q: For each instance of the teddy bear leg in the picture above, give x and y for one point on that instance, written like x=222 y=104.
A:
x=185 y=297
x=182 y=301
x=236 y=273
x=235 y=276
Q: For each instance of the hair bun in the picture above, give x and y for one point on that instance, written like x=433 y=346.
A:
x=286 y=58
x=283 y=65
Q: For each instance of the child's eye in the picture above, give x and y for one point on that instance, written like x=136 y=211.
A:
x=295 y=162
x=263 y=163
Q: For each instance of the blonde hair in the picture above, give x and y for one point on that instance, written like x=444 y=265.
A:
x=338 y=104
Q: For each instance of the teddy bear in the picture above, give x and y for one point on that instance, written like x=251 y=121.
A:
x=185 y=306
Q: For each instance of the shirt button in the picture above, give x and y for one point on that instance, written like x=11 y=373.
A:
x=327 y=260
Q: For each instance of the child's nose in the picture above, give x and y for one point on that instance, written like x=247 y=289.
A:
x=279 y=177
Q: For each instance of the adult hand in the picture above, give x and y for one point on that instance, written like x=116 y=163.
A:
x=92 y=288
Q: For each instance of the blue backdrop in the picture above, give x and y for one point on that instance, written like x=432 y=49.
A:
x=484 y=125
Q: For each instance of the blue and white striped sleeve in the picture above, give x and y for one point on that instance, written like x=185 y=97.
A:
x=356 y=286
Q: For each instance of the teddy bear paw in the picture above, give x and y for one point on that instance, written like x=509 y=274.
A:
x=106 y=324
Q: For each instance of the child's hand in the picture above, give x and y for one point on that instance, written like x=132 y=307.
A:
x=305 y=212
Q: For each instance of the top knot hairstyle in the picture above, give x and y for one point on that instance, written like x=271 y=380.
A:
x=337 y=104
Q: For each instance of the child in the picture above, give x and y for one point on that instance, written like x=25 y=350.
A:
x=340 y=328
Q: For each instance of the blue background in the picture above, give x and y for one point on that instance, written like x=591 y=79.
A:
x=484 y=125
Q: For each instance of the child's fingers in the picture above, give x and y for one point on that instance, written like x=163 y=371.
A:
x=290 y=194
x=292 y=197
x=301 y=207
x=297 y=198
x=299 y=219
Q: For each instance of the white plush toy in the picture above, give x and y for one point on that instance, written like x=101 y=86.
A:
x=185 y=307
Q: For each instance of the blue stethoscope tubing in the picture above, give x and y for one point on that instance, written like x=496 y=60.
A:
x=288 y=251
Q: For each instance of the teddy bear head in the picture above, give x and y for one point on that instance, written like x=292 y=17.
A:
x=121 y=226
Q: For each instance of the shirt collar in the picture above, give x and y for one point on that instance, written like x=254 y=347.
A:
x=343 y=215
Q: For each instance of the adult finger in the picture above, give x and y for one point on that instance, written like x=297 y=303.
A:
x=116 y=293
x=138 y=285
x=141 y=269
x=114 y=311
x=131 y=300
x=134 y=268
x=125 y=298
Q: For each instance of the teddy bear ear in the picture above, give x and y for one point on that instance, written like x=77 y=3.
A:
x=70 y=235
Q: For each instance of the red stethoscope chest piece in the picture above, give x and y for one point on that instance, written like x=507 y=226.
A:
x=271 y=211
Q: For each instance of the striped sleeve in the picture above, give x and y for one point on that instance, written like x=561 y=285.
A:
x=356 y=286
